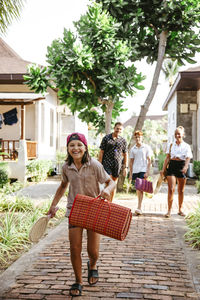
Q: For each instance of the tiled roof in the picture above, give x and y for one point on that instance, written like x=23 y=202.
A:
x=132 y=121
x=10 y=61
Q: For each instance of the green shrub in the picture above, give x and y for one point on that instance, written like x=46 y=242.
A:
x=197 y=184
x=161 y=159
x=3 y=177
x=38 y=169
x=17 y=217
x=10 y=188
x=193 y=231
x=60 y=157
x=93 y=151
x=196 y=168
x=17 y=203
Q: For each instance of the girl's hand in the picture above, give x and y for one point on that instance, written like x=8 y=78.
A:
x=184 y=170
x=161 y=173
x=105 y=194
x=52 y=211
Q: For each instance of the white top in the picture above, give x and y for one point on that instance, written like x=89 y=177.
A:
x=182 y=151
x=140 y=155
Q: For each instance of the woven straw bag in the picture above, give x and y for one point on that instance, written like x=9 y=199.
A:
x=101 y=216
x=165 y=170
x=144 y=185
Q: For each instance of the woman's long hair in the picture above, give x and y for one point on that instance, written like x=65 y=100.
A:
x=86 y=157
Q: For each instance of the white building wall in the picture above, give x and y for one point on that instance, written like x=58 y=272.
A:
x=69 y=123
x=172 y=117
x=30 y=122
x=198 y=125
x=81 y=127
x=44 y=128
x=10 y=132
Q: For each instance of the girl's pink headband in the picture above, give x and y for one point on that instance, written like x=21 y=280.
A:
x=77 y=136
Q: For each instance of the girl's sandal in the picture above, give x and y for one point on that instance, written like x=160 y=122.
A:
x=167 y=215
x=76 y=287
x=92 y=274
x=180 y=213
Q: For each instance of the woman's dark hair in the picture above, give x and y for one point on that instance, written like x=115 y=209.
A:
x=86 y=157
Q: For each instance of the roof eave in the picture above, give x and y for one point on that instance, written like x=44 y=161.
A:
x=12 y=78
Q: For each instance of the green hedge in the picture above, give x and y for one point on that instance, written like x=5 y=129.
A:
x=196 y=168
x=38 y=170
x=3 y=174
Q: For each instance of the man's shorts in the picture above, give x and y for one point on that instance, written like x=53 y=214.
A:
x=138 y=175
x=114 y=171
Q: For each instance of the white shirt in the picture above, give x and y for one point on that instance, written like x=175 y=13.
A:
x=140 y=155
x=182 y=151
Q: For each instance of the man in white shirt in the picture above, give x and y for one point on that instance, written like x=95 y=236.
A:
x=140 y=162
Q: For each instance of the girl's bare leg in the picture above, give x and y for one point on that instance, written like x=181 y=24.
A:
x=112 y=194
x=181 y=188
x=75 y=239
x=171 y=180
x=140 y=198
x=93 y=250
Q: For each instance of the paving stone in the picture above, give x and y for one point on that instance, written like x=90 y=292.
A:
x=150 y=263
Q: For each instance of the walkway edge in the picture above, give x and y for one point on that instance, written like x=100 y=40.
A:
x=8 y=277
x=192 y=255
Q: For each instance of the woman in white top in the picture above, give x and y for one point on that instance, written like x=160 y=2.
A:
x=178 y=155
x=140 y=162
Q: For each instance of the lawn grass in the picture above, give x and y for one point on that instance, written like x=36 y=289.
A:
x=17 y=216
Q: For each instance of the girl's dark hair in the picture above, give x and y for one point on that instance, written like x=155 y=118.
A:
x=86 y=157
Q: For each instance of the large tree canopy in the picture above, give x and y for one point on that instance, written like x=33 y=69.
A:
x=92 y=71
x=143 y=22
x=9 y=10
x=157 y=30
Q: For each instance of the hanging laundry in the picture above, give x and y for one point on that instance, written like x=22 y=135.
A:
x=10 y=117
x=1 y=120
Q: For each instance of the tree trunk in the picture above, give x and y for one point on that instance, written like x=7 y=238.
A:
x=108 y=116
x=145 y=107
x=120 y=182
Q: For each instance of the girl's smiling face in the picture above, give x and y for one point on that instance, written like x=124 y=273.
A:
x=76 y=149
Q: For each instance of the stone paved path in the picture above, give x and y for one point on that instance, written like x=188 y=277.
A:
x=153 y=262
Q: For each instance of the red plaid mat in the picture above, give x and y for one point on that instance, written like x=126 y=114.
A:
x=101 y=216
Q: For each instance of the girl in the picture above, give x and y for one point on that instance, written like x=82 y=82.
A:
x=178 y=156
x=83 y=174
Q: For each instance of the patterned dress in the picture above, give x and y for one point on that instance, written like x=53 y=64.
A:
x=112 y=157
